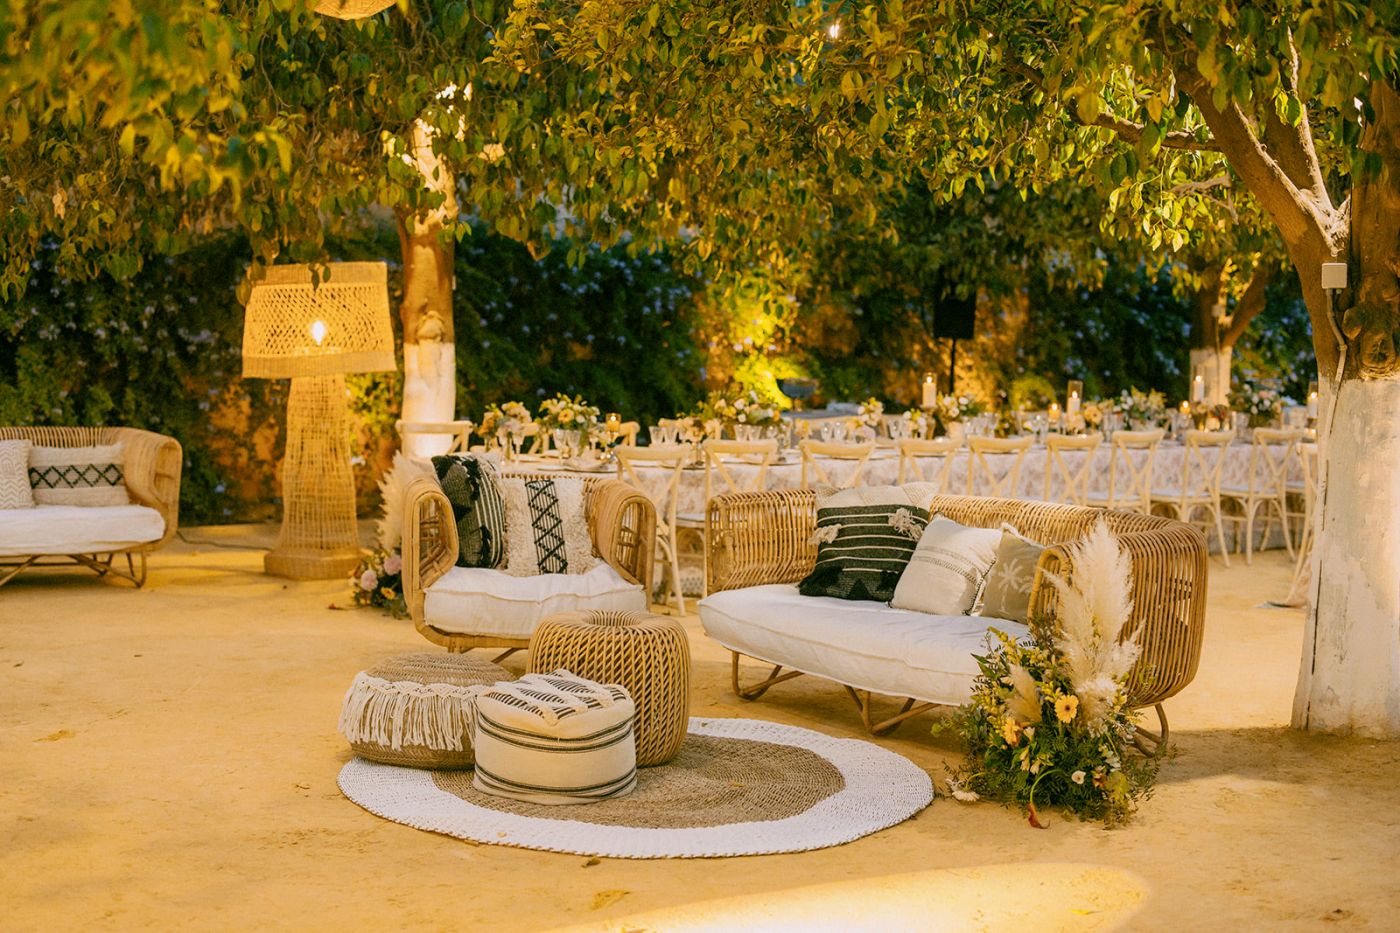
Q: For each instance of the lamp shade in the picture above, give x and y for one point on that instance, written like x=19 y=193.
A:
x=352 y=9
x=292 y=328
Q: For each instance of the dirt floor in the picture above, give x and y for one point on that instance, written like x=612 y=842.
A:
x=168 y=758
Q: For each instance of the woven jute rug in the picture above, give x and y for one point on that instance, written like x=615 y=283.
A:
x=738 y=787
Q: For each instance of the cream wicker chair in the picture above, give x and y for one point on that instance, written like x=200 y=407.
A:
x=672 y=458
x=1200 y=484
x=1073 y=483
x=1134 y=493
x=815 y=453
x=1270 y=454
x=1001 y=483
x=151 y=465
x=927 y=461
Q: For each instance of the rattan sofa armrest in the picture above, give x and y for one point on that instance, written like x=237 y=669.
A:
x=151 y=466
x=429 y=542
x=759 y=537
x=622 y=521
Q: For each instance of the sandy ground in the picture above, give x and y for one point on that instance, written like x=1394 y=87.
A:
x=168 y=758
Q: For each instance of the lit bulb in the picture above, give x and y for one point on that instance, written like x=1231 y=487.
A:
x=834 y=30
x=318 y=331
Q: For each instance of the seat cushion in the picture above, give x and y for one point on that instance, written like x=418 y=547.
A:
x=866 y=645
x=478 y=601
x=77 y=529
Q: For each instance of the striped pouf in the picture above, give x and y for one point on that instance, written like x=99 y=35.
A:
x=554 y=739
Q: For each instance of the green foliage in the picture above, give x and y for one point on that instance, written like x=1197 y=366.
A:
x=1278 y=346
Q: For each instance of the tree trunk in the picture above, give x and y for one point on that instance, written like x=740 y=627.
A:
x=429 y=351
x=1215 y=330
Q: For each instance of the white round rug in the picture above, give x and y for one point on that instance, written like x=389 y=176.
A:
x=738 y=787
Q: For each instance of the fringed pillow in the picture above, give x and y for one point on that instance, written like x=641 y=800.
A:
x=471 y=485
x=414 y=710
x=864 y=539
x=15 y=492
x=87 y=476
x=547 y=527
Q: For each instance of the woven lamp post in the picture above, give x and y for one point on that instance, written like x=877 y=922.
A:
x=352 y=9
x=314 y=336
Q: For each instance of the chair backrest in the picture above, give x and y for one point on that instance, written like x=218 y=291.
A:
x=1004 y=483
x=720 y=455
x=815 y=452
x=914 y=452
x=1307 y=463
x=459 y=433
x=1073 y=481
x=1270 y=454
x=627 y=433
x=671 y=457
x=1201 y=465
x=1136 y=489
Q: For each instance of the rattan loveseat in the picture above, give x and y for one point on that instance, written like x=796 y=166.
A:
x=463 y=608
x=758 y=539
x=93 y=536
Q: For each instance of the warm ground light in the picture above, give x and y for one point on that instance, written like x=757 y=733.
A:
x=172 y=762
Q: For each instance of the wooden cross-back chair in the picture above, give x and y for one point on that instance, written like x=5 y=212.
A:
x=1003 y=484
x=1199 y=488
x=815 y=452
x=1135 y=493
x=1271 y=452
x=673 y=458
x=927 y=461
x=1073 y=481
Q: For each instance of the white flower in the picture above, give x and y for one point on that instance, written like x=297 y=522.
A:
x=960 y=793
x=1077 y=777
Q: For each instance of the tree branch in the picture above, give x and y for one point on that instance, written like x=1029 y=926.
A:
x=1126 y=130
x=1219 y=181
x=1249 y=305
x=1293 y=146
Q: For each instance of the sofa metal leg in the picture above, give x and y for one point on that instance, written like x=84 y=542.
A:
x=1153 y=744
x=759 y=689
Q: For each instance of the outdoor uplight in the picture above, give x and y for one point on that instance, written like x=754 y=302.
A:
x=314 y=335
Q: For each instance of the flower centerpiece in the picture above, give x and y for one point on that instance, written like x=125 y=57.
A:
x=511 y=417
x=1262 y=402
x=1143 y=410
x=1094 y=411
x=378 y=581
x=952 y=410
x=744 y=410
x=872 y=413
x=1049 y=721
x=563 y=413
x=919 y=422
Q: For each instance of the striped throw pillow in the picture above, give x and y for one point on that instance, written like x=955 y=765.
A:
x=469 y=482
x=862 y=549
x=554 y=739
x=948 y=569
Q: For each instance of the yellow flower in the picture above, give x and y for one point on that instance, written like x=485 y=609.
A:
x=1011 y=731
x=1065 y=707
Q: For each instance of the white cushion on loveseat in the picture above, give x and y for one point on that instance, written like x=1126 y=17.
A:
x=77 y=529
x=866 y=645
x=480 y=601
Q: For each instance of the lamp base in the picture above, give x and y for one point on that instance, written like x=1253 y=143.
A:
x=308 y=564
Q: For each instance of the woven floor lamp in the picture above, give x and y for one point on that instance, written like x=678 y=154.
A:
x=314 y=336
x=352 y=9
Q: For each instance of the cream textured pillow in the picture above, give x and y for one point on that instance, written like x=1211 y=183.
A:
x=1007 y=594
x=546 y=527
x=78 y=475
x=946 y=573
x=14 y=475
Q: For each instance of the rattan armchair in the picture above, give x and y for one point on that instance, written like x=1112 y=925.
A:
x=766 y=537
x=151 y=465
x=622 y=521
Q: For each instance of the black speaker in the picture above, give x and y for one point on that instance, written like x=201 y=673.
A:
x=954 y=318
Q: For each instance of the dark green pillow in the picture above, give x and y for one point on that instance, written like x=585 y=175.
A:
x=863 y=549
x=469 y=482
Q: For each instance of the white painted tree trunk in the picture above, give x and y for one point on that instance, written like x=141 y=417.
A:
x=1349 y=680
x=1214 y=365
x=429 y=393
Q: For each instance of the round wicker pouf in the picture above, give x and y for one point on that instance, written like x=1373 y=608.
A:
x=412 y=710
x=647 y=654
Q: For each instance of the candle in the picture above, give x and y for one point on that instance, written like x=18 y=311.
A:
x=1185 y=408
x=1198 y=388
x=930 y=397
x=1312 y=400
x=1054 y=413
x=1076 y=390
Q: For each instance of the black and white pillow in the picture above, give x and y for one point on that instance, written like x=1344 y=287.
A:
x=470 y=484
x=865 y=537
x=547 y=526
x=86 y=476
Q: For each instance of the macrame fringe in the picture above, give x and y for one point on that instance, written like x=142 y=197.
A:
x=399 y=713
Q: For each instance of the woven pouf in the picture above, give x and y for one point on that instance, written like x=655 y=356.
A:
x=647 y=654
x=413 y=710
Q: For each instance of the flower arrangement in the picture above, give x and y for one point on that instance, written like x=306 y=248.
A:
x=512 y=416
x=1261 y=401
x=568 y=414
x=1094 y=411
x=872 y=413
x=1143 y=409
x=378 y=581
x=1049 y=721
x=747 y=408
x=919 y=422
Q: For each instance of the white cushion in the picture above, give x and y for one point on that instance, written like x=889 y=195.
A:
x=866 y=645
x=554 y=739
x=946 y=573
x=481 y=601
x=77 y=529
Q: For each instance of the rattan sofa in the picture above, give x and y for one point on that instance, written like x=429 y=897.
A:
x=93 y=536
x=759 y=539
x=466 y=607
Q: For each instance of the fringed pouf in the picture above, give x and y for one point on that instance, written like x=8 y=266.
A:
x=646 y=654
x=413 y=710
x=554 y=739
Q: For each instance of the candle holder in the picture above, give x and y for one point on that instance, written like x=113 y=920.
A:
x=929 y=392
x=1074 y=397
